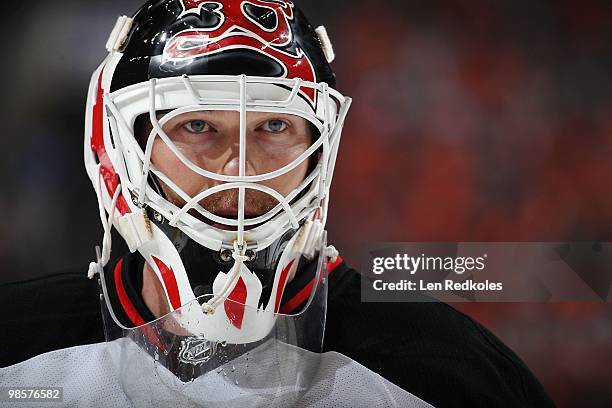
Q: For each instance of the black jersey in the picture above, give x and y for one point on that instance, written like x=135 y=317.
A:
x=429 y=348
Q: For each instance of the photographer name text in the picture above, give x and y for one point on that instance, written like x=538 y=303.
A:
x=412 y=264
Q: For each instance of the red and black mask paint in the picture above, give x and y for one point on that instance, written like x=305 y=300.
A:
x=269 y=38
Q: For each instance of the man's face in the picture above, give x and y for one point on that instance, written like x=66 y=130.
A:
x=211 y=140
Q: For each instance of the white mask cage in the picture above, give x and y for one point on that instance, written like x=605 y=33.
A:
x=120 y=168
x=243 y=94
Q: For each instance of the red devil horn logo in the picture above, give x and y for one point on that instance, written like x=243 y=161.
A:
x=263 y=26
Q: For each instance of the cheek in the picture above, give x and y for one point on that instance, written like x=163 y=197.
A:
x=272 y=157
x=289 y=181
x=169 y=164
x=166 y=161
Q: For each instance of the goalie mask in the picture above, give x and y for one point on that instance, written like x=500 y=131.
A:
x=208 y=205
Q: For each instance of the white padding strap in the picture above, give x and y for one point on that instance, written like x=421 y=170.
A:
x=326 y=43
x=119 y=34
x=309 y=239
x=135 y=228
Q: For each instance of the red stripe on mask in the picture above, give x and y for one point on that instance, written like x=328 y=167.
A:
x=169 y=282
x=110 y=176
x=234 y=306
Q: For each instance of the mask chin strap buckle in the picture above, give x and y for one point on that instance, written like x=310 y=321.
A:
x=135 y=229
x=94 y=267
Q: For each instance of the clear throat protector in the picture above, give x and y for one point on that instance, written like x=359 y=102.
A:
x=235 y=355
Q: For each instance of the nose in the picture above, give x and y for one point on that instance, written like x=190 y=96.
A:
x=232 y=165
x=227 y=147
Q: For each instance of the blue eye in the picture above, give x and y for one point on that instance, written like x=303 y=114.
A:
x=275 y=126
x=196 y=126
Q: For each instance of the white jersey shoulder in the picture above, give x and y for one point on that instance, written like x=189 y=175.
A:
x=89 y=378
